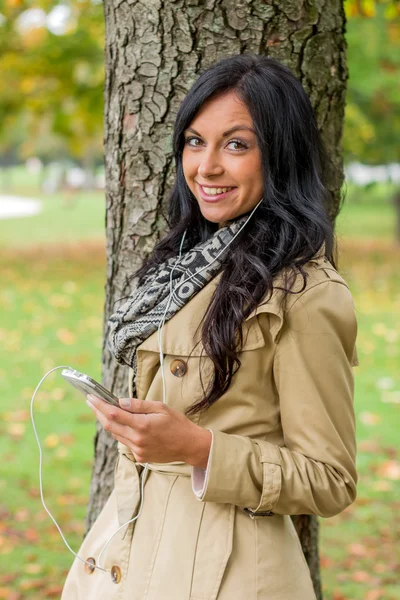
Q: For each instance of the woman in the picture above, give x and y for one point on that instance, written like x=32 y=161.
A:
x=246 y=416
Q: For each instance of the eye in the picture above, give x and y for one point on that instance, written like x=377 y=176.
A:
x=242 y=145
x=189 y=139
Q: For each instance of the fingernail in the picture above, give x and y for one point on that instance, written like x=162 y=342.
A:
x=125 y=402
x=89 y=404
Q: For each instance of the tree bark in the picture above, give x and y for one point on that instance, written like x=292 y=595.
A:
x=154 y=52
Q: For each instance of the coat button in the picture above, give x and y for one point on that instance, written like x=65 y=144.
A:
x=90 y=568
x=178 y=367
x=115 y=574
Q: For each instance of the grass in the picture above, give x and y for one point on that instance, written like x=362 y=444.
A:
x=65 y=217
x=50 y=316
x=51 y=303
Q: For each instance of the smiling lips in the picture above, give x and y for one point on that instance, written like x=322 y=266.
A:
x=214 y=193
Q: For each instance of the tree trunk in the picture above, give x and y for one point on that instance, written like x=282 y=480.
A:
x=154 y=52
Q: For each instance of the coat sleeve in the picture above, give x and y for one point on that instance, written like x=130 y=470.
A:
x=314 y=471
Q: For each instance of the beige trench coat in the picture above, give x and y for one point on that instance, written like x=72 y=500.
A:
x=283 y=444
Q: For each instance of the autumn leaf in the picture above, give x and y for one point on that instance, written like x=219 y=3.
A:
x=33 y=568
x=65 y=336
x=16 y=415
x=369 y=418
x=361 y=576
x=374 y=594
x=52 y=440
x=369 y=446
x=16 y=430
x=53 y=591
x=389 y=469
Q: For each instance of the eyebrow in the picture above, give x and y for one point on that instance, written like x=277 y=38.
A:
x=231 y=130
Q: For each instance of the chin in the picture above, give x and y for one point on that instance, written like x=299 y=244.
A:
x=214 y=219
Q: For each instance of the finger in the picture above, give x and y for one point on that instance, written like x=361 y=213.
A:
x=116 y=429
x=109 y=421
x=134 y=405
x=128 y=444
x=135 y=424
x=113 y=413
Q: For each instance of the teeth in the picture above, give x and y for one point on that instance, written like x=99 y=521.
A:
x=215 y=191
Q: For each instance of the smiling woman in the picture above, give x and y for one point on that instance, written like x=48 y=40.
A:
x=223 y=170
x=239 y=335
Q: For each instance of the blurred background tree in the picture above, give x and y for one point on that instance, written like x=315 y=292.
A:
x=372 y=121
x=51 y=80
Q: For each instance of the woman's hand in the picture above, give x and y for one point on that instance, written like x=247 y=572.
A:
x=153 y=431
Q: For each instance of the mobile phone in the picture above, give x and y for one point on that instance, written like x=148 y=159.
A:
x=88 y=385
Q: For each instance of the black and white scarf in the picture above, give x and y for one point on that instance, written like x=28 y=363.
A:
x=143 y=311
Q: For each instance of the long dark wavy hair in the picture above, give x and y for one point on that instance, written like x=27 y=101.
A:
x=287 y=229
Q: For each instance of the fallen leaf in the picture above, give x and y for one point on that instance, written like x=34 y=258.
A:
x=369 y=446
x=8 y=578
x=62 y=452
x=65 y=336
x=358 y=549
x=374 y=595
x=382 y=485
x=52 y=441
x=325 y=562
x=361 y=576
x=16 y=430
x=22 y=515
x=369 y=418
x=33 y=568
x=53 y=591
x=31 y=535
x=67 y=438
x=389 y=469
x=32 y=584
x=16 y=415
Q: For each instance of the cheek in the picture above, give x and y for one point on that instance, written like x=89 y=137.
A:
x=189 y=166
x=252 y=173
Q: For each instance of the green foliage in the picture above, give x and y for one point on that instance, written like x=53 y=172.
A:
x=51 y=84
x=372 y=120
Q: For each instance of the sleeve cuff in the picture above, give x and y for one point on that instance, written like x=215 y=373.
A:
x=199 y=474
x=241 y=471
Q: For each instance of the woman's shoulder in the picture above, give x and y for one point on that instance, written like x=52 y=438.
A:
x=316 y=272
x=322 y=290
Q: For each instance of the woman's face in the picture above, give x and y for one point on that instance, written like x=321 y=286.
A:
x=221 y=151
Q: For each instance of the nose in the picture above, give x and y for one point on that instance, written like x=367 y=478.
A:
x=209 y=165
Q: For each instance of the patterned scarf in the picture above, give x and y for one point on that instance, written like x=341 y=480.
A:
x=142 y=313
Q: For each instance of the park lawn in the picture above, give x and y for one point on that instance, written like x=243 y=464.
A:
x=359 y=547
x=51 y=302
x=65 y=217
x=51 y=314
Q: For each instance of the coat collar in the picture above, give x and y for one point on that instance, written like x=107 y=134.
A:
x=179 y=335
